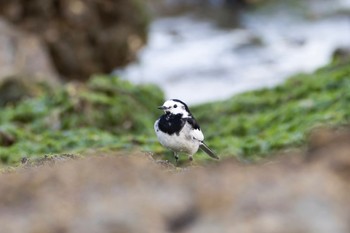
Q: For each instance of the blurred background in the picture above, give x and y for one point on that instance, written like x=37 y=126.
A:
x=70 y=69
x=205 y=50
x=216 y=47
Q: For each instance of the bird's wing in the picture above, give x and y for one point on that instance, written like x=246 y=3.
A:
x=196 y=131
x=207 y=150
x=197 y=134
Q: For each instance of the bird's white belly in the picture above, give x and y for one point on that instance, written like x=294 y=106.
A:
x=182 y=142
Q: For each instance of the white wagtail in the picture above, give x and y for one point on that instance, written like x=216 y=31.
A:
x=179 y=131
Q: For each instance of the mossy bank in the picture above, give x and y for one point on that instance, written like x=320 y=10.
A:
x=105 y=113
x=108 y=113
x=257 y=123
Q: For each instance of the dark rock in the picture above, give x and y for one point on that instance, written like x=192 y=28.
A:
x=341 y=54
x=170 y=7
x=16 y=88
x=6 y=139
x=83 y=37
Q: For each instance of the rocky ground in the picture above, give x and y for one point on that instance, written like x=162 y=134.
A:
x=297 y=192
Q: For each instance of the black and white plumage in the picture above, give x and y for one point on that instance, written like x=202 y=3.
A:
x=179 y=131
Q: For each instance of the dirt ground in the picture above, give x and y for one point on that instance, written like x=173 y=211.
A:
x=304 y=192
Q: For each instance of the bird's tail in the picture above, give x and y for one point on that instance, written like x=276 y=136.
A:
x=207 y=150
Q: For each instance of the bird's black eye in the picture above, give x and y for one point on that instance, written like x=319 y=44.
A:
x=175 y=106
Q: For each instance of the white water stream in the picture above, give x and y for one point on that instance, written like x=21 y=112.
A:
x=196 y=61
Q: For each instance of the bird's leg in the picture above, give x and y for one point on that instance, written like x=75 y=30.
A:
x=176 y=158
x=190 y=158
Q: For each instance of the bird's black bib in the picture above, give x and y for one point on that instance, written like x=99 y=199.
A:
x=171 y=123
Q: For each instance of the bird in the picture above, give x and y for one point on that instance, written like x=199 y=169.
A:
x=179 y=131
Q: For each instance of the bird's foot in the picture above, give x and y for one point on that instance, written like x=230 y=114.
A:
x=176 y=159
x=191 y=161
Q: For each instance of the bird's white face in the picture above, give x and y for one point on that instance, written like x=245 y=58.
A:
x=175 y=107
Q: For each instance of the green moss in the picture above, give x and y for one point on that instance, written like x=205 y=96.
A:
x=107 y=112
x=257 y=123
x=111 y=114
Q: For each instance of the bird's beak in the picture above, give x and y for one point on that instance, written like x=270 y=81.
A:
x=162 y=108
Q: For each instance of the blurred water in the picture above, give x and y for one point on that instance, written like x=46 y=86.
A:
x=196 y=61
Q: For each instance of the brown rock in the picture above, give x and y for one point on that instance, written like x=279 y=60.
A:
x=6 y=139
x=341 y=54
x=16 y=88
x=83 y=37
x=23 y=55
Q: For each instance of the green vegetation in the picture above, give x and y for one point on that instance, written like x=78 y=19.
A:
x=106 y=113
x=111 y=114
x=254 y=124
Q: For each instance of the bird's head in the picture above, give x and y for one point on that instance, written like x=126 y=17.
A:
x=175 y=106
